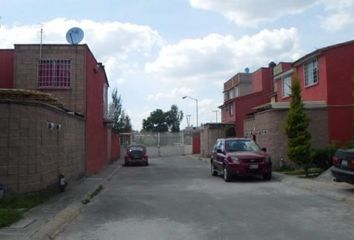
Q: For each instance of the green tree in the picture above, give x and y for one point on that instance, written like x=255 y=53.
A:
x=156 y=122
x=160 y=121
x=174 y=118
x=121 y=121
x=297 y=122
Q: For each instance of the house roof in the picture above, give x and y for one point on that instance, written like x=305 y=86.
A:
x=320 y=51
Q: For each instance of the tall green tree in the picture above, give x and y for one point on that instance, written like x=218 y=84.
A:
x=160 y=121
x=121 y=121
x=156 y=122
x=297 y=123
x=174 y=118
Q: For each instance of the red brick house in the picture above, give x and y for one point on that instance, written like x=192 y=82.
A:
x=242 y=93
x=72 y=75
x=326 y=77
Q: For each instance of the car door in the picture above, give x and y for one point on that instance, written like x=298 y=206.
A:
x=220 y=155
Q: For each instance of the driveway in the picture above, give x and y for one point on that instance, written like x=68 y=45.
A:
x=177 y=198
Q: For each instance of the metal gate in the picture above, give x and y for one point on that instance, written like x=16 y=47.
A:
x=164 y=144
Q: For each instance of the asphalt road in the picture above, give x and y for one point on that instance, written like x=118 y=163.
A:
x=177 y=198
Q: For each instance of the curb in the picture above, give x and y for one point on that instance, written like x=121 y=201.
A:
x=49 y=230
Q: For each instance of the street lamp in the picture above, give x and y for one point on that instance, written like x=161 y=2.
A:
x=196 y=106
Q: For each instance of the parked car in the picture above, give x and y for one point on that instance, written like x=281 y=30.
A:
x=343 y=165
x=136 y=155
x=240 y=157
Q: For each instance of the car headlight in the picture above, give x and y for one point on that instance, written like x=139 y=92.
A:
x=233 y=159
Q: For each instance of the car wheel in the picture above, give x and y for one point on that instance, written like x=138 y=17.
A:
x=267 y=176
x=212 y=168
x=227 y=174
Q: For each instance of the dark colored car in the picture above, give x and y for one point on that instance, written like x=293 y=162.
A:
x=343 y=165
x=136 y=155
x=239 y=157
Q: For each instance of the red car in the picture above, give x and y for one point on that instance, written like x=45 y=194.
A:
x=240 y=157
x=136 y=155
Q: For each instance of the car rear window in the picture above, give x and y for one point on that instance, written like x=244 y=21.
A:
x=345 y=154
x=136 y=148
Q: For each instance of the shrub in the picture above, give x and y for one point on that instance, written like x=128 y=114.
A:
x=322 y=157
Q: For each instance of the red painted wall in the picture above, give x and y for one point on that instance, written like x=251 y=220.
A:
x=7 y=68
x=262 y=80
x=226 y=117
x=96 y=131
x=317 y=92
x=244 y=106
x=340 y=76
x=115 y=146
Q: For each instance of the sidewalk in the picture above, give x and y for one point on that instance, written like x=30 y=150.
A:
x=46 y=220
x=323 y=185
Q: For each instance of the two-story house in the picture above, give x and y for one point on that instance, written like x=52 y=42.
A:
x=54 y=140
x=326 y=77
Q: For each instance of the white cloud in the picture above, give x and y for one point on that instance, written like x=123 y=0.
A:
x=113 y=43
x=175 y=93
x=339 y=14
x=252 y=12
x=337 y=21
x=215 y=57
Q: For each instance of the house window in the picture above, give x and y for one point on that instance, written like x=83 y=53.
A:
x=54 y=73
x=286 y=85
x=311 y=73
x=237 y=91
x=231 y=109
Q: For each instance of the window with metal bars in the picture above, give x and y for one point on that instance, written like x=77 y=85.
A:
x=54 y=73
x=311 y=73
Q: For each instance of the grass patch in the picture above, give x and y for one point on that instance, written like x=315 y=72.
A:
x=12 y=207
x=9 y=216
x=313 y=172
x=92 y=195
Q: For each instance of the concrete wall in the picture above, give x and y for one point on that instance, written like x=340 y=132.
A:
x=31 y=154
x=208 y=136
x=26 y=72
x=268 y=126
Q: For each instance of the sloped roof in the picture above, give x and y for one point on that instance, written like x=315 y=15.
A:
x=320 y=51
x=30 y=95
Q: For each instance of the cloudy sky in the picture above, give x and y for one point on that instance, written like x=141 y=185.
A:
x=157 y=51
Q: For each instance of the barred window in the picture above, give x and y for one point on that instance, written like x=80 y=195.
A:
x=54 y=73
x=311 y=73
x=286 y=84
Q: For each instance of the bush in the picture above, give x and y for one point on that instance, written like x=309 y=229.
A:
x=322 y=157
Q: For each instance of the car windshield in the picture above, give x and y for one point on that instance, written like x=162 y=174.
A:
x=241 y=145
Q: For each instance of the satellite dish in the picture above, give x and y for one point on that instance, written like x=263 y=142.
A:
x=74 y=35
x=247 y=70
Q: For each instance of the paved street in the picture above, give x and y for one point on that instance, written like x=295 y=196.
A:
x=177 y=198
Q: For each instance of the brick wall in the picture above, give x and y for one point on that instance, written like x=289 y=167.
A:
x=269 y=129
x=26 y=71
x=31 y=154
